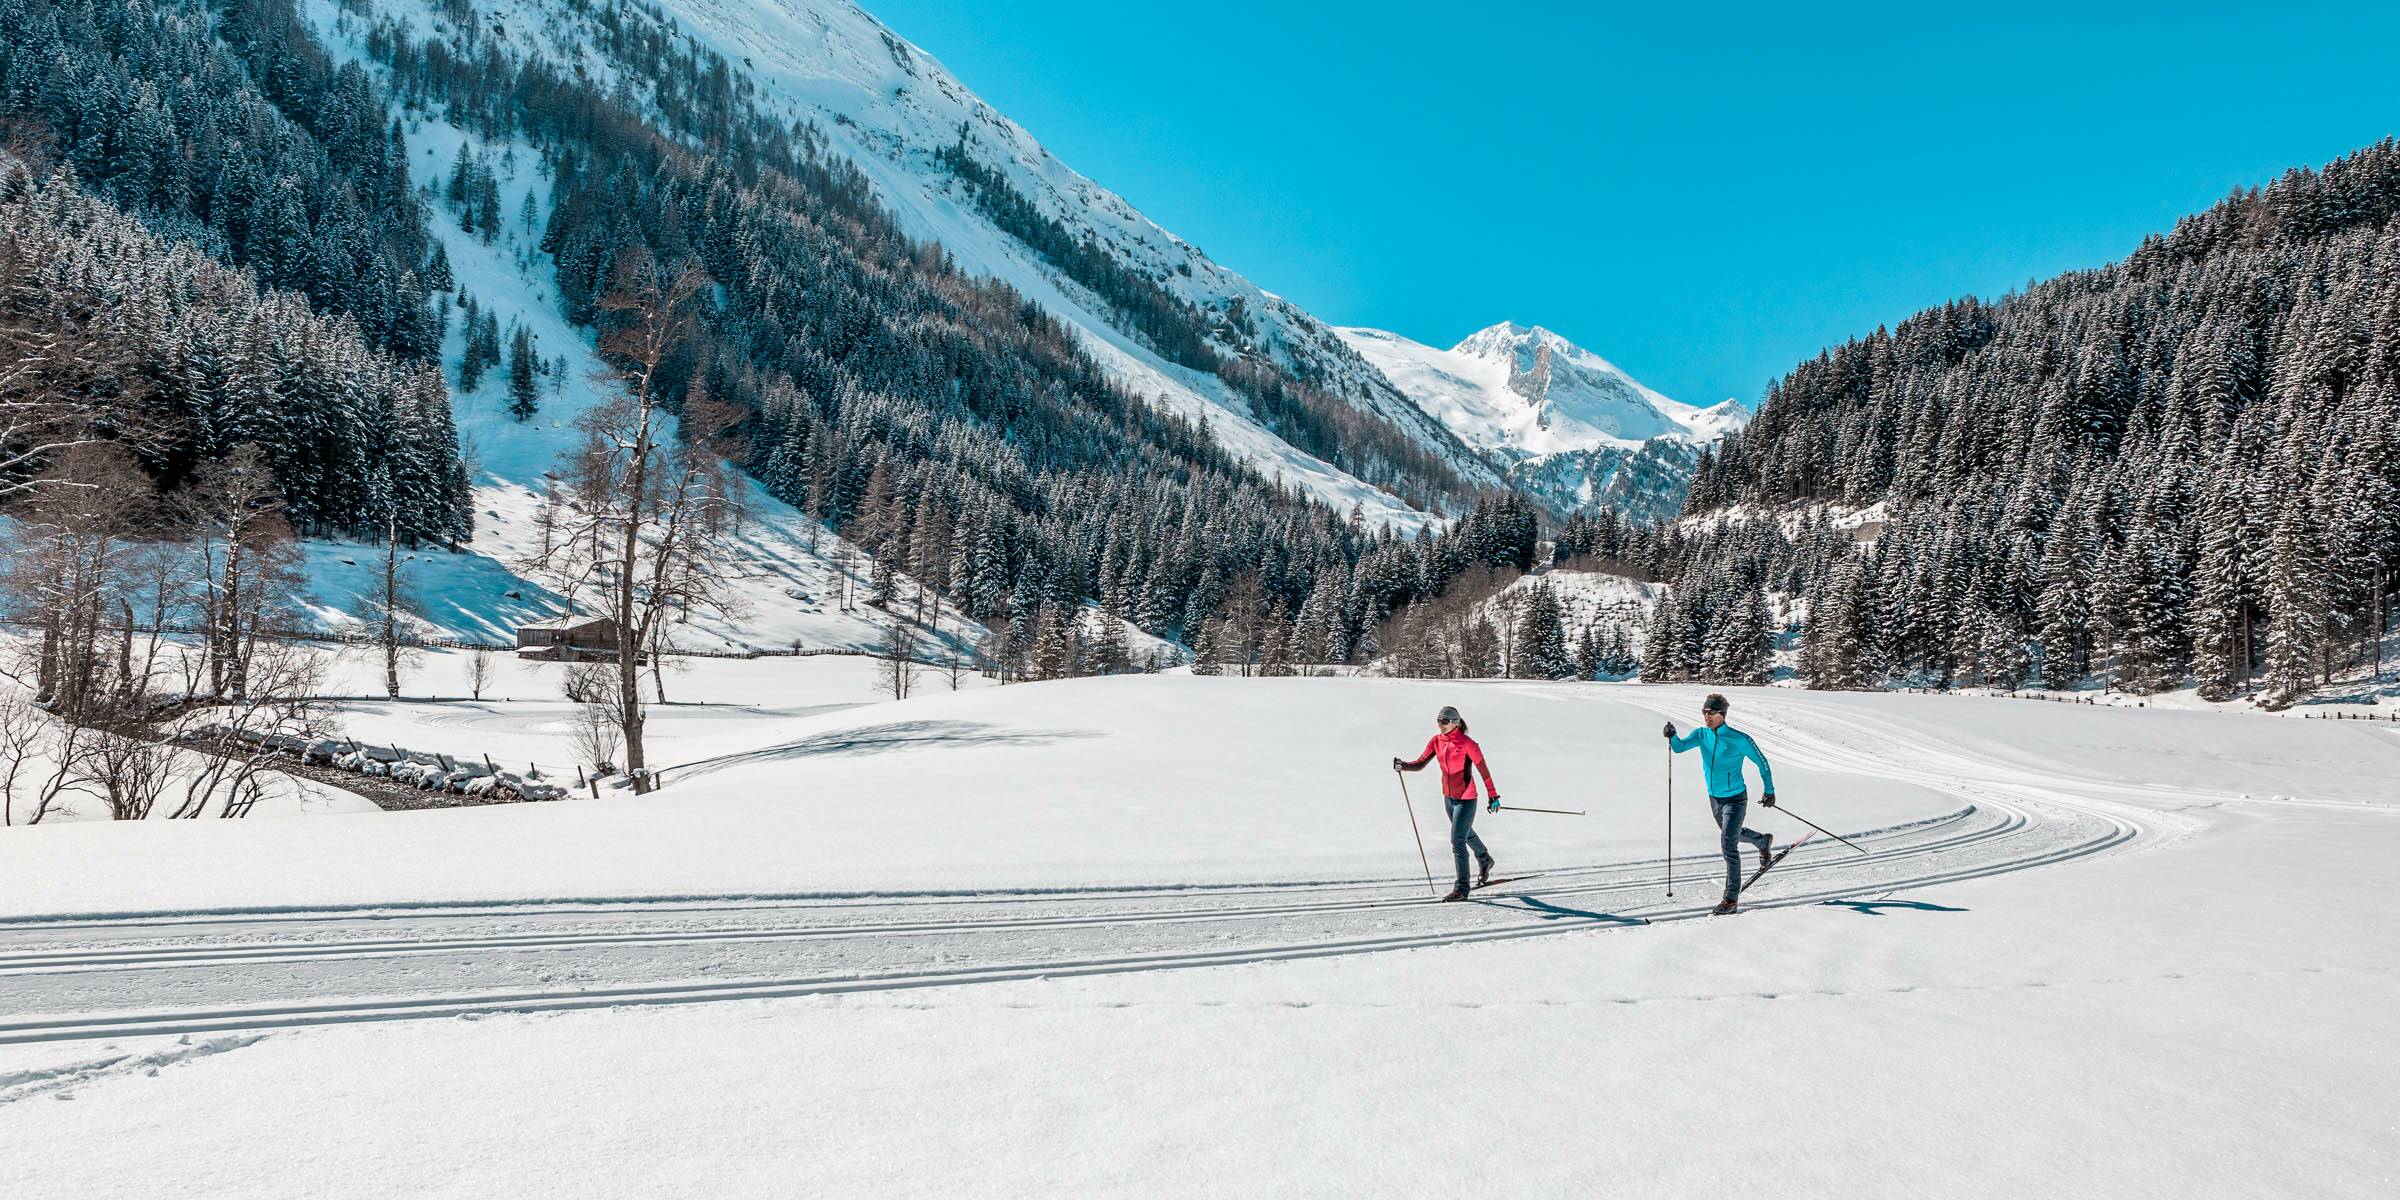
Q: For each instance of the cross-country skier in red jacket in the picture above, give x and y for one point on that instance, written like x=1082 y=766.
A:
x=1457 y=750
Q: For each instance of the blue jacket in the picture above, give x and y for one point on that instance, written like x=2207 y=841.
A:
x=1721 y=755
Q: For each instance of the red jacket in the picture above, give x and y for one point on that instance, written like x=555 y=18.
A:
x=1456 y=750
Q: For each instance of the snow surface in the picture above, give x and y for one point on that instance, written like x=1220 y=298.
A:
x=716 y=706
x=2198 y=1012
x=1078 y=783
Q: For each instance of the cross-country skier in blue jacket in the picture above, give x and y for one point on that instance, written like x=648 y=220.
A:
x=1722 y=749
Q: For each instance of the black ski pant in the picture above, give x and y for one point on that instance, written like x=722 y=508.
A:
x=1462 y=836
x=1729 y=811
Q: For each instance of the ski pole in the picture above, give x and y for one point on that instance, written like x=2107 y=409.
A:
x=1819 y=828
x=1670 y=820
x=1564 y=812
x=1410 y=805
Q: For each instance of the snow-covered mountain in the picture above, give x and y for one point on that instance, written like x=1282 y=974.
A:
x=895 y=111
x=1575 y=430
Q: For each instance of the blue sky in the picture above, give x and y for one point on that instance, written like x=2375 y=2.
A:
x=1705 y=194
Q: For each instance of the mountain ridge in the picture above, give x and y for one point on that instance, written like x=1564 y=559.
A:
x=893 y=110
x=1575 y=431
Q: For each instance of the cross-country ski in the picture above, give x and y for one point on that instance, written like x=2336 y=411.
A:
x=1775 y=858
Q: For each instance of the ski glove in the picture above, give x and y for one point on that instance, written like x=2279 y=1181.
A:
x=1494 y=806
x=1768 y=800
x=1670 y=729
x=1399 y=764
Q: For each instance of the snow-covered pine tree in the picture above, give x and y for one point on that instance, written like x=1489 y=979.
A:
x=1588 y=652
x=524 y=394
x=1206 y=651
x=1662 y=642
x=2295 y=589
x=1541 y=637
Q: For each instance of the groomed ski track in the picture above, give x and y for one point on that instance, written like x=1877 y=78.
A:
x=170 y=974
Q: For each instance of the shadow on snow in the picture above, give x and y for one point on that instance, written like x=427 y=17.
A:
x=889 y=738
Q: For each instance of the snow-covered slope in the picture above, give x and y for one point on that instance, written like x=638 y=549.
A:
x=892 y=108
x=1578 y=431
x=790 y=575
x=1593 y=597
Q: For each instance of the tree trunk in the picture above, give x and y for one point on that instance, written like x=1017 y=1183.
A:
x=629 y=635
x=391 y=609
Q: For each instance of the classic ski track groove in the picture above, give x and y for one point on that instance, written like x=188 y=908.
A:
x=31 y=962
x=2010 y=804
x=203 y=1020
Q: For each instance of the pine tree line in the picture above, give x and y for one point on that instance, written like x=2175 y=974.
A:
x=354 y=437
x=234 y=130
x=2176 y=468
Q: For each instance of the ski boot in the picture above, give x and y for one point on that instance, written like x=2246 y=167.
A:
x=1766 y=852
x=1726 y=907
x=1485 y=877
x=1458 y=892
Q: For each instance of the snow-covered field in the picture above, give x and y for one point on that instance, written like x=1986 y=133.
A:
x=715 y=705
x=2086 y=952
x=1125 y=781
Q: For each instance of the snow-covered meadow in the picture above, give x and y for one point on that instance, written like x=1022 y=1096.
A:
x=2159 y=966
x=1124 y=781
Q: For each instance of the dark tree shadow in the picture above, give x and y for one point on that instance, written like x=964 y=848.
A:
x=887 y=739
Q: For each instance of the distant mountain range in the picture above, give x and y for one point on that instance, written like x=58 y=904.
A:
x=1568 y=427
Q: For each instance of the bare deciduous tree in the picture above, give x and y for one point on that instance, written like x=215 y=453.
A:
x=23 y=728
x=63 y=574
x=649 y=531
x=278 y=708
x=130 y=769
x=898 y=650
x=60 y=747
x=593 y=688
x=479 y=671
x=1448 y=636
x=247 y=553
x=160 y=588
x=386 y=608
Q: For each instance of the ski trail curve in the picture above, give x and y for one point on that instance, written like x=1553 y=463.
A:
x=259 y=971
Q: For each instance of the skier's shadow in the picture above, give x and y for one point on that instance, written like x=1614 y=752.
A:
x=1874 y=908
x=1552 y=912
